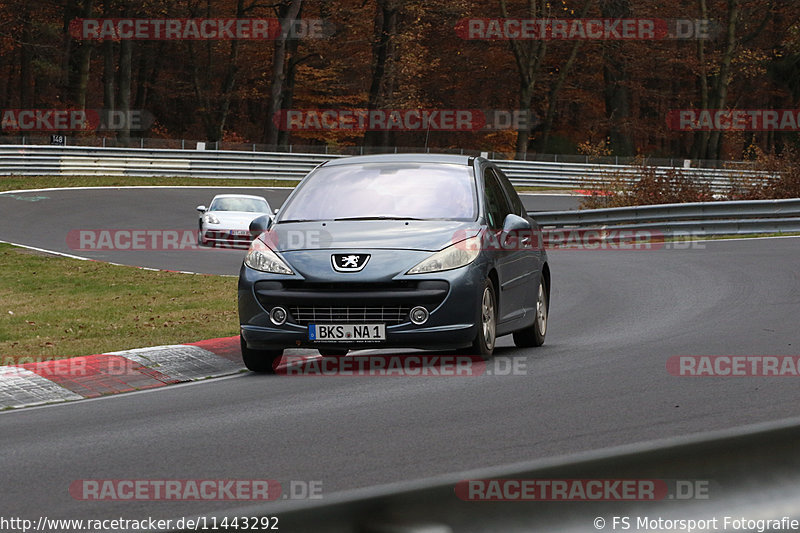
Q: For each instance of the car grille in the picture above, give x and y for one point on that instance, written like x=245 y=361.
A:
x=385 y=314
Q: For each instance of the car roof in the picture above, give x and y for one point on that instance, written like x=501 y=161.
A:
x=238 y=196
x=402 y=158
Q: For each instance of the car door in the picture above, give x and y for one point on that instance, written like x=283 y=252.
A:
x=507 y=261
x=528 y=258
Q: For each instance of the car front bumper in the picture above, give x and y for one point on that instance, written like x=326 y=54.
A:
x=451 y=298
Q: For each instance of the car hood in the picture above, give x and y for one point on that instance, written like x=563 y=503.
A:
x=425 y=235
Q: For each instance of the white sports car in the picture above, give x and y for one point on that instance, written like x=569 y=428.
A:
x=227 y=220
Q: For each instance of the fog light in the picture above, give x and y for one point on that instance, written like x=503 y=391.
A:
x=418 y=315
x=278 y=315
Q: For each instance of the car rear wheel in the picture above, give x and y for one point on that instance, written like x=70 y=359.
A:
x=483 y=344
x=534 y=335
x=333 y=352
x=263 y=361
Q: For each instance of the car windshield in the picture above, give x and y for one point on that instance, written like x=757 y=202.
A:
x=422 y=191
x=248 y=205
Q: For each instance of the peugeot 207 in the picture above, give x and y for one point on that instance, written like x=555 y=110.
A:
x=394 y=251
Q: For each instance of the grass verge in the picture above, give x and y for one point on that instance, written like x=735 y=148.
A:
x=15 y=183
x=54 y=307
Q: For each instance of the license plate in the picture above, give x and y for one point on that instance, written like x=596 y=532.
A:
x=237 y=232
x=346 y=332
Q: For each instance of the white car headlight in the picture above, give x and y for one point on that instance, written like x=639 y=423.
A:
x=211 y=219
x=261 y=257
x=454 y=256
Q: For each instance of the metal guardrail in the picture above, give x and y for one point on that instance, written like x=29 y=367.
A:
x=74 y=161
x=573 y=175
x=751 y=473
x=78 y=160
x=689 y=219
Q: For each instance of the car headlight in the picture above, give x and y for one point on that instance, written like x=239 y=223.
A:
x=211 y=219
x=261 y=257
x=454 y=256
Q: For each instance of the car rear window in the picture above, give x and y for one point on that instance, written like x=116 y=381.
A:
x=427 y=191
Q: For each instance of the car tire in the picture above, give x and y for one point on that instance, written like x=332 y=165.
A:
x=200 y=241
x=333 y=352
x=484 y=342
x=533 y=335
x=262 y=361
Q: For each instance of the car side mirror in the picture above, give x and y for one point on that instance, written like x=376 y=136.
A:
x=260 y=224
x=514 y=226
x=201 y=208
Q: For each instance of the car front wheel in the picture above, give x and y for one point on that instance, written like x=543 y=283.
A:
x=483 y=344
x=263 y=361
x=534 y=334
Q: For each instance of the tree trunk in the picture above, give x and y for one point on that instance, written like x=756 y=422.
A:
x=125 y=56
x=617 y=77
x=288 y=12
x=720 y=94
x=25 y=78
x=700 y=143
x=547 y=126
x=79 y=63
x=529 y=56
x=383 y=73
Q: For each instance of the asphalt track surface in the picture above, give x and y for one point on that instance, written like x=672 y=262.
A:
x=599 y=381
x=44 y=219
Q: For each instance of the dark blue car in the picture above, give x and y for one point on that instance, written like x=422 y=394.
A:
x=394 y=251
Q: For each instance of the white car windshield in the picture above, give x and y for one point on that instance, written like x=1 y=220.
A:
x=248 y=205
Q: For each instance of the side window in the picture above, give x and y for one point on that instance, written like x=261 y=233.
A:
x=496 y=204
x=516 y=204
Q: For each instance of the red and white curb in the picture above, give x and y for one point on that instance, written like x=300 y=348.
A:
x=90 y=376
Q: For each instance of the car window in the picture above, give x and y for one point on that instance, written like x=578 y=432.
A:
x=426 y=191
x=496 y=204
x=247 y=205
x=516 y=204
